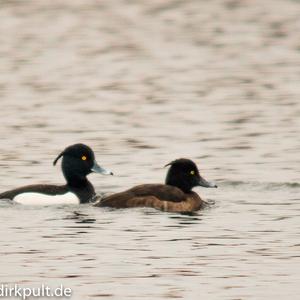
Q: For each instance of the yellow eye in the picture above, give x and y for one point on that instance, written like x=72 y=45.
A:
x=83 y=157
x=192 y=172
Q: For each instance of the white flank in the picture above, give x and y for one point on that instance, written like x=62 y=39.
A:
x=42 y=199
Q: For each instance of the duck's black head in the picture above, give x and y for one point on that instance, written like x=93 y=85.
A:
x=184 y=174
x=77 y=162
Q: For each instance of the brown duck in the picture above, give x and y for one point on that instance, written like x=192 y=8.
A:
x=175 y=195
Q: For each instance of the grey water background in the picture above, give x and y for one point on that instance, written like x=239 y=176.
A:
x=142 y=83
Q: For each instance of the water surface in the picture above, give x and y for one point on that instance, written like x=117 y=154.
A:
x=144 y=83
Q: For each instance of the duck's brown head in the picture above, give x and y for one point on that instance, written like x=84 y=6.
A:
x=184 y=174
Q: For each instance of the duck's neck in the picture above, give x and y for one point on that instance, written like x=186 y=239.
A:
x=76 y=180
x=82 y=187
x=179 y=183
